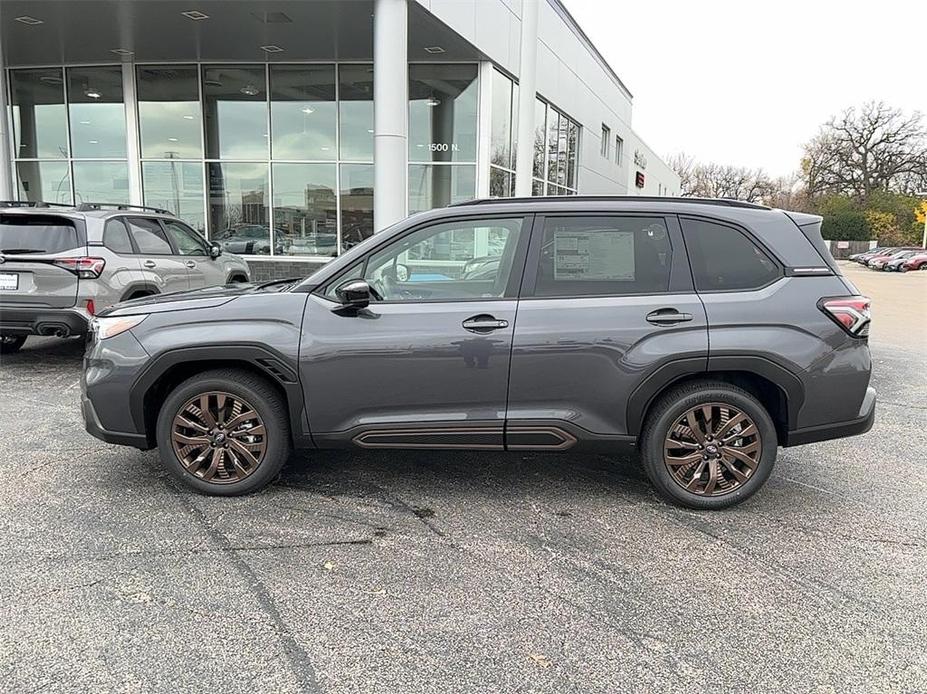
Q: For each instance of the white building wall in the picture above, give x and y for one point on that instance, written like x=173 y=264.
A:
x=659 y=178
x=569 y=75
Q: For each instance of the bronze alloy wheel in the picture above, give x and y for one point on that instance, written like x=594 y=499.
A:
x=712 y=449
x=219 y=437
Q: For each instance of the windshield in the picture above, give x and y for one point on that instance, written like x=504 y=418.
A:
x=20 y=234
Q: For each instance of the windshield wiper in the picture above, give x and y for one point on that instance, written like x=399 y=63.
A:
x=21 y=251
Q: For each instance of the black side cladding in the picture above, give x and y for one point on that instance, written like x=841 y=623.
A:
x=810 y=226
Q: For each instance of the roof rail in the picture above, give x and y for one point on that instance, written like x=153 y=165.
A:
x=90 y=206
x=32 y=203
x=724 y=202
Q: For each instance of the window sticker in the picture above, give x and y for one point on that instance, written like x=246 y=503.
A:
x=594 y=255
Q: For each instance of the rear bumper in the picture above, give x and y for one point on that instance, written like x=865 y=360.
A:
x=837 y=430
x=95 y=428
x=43 y=321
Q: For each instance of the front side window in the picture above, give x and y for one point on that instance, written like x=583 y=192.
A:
x=604 y=256
x=724 y=259
x=451 y=261
x=186 y=240
x=149 y=236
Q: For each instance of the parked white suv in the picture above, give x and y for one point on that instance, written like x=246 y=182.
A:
x=61 y=264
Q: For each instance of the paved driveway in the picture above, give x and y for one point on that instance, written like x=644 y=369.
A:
x=427 y=572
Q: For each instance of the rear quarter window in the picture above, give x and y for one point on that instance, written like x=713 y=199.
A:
x=37 y=234
x=724 y=258
x=116 y=238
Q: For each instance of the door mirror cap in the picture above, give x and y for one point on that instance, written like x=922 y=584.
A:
x=354 y=294
x=215 y=250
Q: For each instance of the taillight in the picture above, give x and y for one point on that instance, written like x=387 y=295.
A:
x=85 y=268
x=851 y=313
x=91 y=307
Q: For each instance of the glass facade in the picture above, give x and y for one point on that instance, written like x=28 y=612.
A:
x=267 y=160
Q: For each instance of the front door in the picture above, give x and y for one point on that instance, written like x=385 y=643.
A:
x=202 y=270
x=164 y=270
x=425 y=365
x=607 y=301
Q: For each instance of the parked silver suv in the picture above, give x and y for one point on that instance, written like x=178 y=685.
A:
x=60 y=265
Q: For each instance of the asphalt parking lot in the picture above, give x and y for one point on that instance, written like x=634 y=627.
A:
x=428 y=572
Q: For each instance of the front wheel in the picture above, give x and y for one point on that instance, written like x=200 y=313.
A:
x=708 y=445
x=10 y=344
x=224 y=432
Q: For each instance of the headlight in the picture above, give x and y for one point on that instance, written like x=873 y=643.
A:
x=105 y=328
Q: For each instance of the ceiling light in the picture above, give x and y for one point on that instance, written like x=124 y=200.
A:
x=93 y=142
x=432 y=102
x=92 y=93
x=249 y=90
x=51 y=79
x=122 y=51
x=272 y=49
x=434 y=49
x=195 y=15
x=31 y=21
x=188 y=117
x=85 y=122
x=369 y=130
x=172 y=139
x=307 y=110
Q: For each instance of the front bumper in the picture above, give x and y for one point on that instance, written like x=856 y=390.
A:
x=43 y=321
x=120 y=438
x=837 y=430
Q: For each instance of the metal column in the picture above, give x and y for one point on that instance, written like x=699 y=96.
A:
x=527 y=86
x=390 y=111
x=6 y=137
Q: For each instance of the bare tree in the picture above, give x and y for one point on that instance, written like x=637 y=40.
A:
x=721 y=180
x=860 y=152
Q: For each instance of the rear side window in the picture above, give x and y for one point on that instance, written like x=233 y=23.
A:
x=725 y=259
x=116 y=238
x=604 y=256
x=36 y=234
x=149 y=236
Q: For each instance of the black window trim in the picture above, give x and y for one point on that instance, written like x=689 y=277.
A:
x=744 y=231
x=680 y=273
x=515 y=278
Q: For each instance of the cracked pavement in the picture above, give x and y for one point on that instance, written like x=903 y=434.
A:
x=464 y=572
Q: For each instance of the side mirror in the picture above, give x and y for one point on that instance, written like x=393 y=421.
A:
x=354 y=294
x=215 y=250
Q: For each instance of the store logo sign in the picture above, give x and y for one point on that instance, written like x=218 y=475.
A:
x=639 y=159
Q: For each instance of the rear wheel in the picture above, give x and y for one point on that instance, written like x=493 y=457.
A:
x=224 y=432
x=708 y=445
x=10 y=344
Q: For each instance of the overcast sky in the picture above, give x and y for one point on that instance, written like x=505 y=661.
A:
x=746 y=82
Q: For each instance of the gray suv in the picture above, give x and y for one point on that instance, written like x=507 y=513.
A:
x=60 y=264
x=702 y=333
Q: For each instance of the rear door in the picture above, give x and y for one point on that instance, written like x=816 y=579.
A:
x=606 y=302
x=202 y=269
x=30 y=245
x=123 y=267
x=165 y=270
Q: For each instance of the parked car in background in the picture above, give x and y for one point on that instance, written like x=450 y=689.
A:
x=878 y=262
x=918 y=261
x=251 y=239
x=863 y=258
x=895 y=263
x=701 y=333
x=62 y=264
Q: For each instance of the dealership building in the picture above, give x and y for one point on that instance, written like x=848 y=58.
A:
x=289 y=130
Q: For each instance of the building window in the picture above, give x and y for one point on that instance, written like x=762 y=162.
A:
x=239 y=209
x=169 y=116
x=619 y=149
x=303 y=112
x=606 y=140
x=556 y=149
x=433 y=185
x=355 y=111
x=356 y=195
x=503 y=135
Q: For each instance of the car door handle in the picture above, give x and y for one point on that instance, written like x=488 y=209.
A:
x=667 y=316
x=190 y=264
x=484 y=324
x=150 y=263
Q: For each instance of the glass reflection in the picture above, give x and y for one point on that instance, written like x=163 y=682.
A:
x=235 y=108
x=48 y=181
x=355 y=104
x=501 y=183
x=178 y=187
x=96 y=111
x=432 y=185
x=540 y=138
x=101 y=181
x=169 y=112
x=442 y=112
x=39 y=114
x=303 y=111
x=356 y=204
x=305 y=209
x=238 y=214
x=501 y=130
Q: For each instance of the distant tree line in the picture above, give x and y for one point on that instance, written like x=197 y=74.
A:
x=861 y=171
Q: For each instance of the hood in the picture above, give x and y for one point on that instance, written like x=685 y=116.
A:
x=210 y=297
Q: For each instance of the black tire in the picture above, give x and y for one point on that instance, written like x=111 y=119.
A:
x=10 y=344
x=674 y=404
x=902 y=268
x=266 y=402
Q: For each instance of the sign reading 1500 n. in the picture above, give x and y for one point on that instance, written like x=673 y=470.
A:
x=443 y=147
